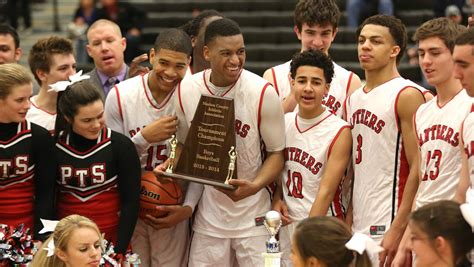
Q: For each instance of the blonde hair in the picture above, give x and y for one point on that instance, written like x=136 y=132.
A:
x=61 y=236
x=12 y=75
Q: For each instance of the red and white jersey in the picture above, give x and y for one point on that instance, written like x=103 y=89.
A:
x=419 y=87
x=337 y=92
x=17 y=171
x=468 y=140
x=40 y=116
x=437 y=129
x=217 y=215
x=137 y=108
x=308 y=147
x=380 y=165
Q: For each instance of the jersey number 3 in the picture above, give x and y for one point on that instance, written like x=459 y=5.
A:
x=358 y=158
x=294 y=183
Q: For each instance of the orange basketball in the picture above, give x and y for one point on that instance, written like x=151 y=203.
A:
x=153 y=193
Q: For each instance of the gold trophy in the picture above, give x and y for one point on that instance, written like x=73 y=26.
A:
x=231 y=168
x=173 y=143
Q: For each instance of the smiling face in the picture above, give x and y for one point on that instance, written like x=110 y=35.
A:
x=169 y=68
x=89 y=120
x=106 y=46
x=435 y=60
x=83 y=249
x=310 y=88
x=376 y=47
x=226 y=55
x=15 y=105
x=316 y=37
x=423 y=247
x=62 y=66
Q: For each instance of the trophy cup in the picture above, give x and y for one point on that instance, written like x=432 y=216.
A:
x=273 y=255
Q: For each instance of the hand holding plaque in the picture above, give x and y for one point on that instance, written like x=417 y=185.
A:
x=208 y=155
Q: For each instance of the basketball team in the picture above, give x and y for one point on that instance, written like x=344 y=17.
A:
x=384 y=164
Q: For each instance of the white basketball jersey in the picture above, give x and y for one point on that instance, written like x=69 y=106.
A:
x=138 y=108
x=337 y=92
x=217 y=215
x=380 y=165
x=437 y=129
x=308 y=146
x=468 y=140
x=40 y=116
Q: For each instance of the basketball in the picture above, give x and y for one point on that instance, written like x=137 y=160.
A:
x=153 y=193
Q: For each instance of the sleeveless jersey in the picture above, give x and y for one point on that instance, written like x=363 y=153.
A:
x=468 y=140
x=380 y=165
x=88 y=182
x=17 y=169
x=40 y=116
x=306 y=155
x=138 y=108
x=217 y=215
x=437 y=130
x=337 y=92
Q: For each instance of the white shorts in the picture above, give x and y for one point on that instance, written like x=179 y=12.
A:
x=226 y=252
x=164 y=247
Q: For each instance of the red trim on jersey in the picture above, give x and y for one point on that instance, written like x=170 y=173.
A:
x=348 y=86
x=414 y=126
x=72 y=149
x=209 y=90
x=337 y=203
x=118 y=102
x=403 y=173
x=461 y=133
x=312 y=126
x=335 y=138
x=179 y=97
x=38 y=107
x=363 y=88
x=427 y=92
x=160 y=106
x=262 y=94
x=16 y=136
x=275 y=84
x=472 y=107
x=442 y=106
x=396 y=103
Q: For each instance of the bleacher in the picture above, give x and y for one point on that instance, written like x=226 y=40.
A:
x=268 y=28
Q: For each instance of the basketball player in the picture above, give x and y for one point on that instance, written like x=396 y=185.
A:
x=51 y=60
x=27 y=176
x=98 y=169
x=437 y=122
x=316 y=25
x=318 y=148
x=464 y=71
x=196 y=28
x=384 y=150
x=142 y=109
x=225 y=228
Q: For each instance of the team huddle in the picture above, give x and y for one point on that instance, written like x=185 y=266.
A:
x=384 y=158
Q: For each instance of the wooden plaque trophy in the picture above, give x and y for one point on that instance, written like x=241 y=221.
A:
x=209 y=155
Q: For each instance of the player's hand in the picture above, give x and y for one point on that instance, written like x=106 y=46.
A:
x=174 y=215
x=390 y=243
x=244 y=189
x=160 y=170
x=160 y=129
x=280 y=205
x=135 y=67
x=403 y=258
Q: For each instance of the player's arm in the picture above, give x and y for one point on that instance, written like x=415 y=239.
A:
x=278 y=202
x=354 y=84
x=409 y=101
x=288 y=102
x=45 y=176
x=129 y=172
x=464 y=180
x=336 y=166
x=272 y=131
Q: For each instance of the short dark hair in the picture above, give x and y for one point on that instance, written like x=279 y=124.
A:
x=314 y=58
x=174 y=40
x=396 y=28
x=42 y=51
x=6 y=29
x=316 y=12
x=466 y=38
x=221 y=27
x=76 y=95
x=196 y=23
x=443 y=28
